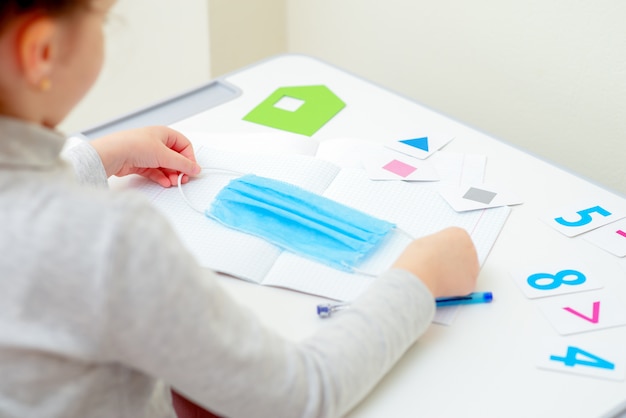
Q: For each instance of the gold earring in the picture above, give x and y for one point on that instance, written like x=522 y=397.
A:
x=45 y=84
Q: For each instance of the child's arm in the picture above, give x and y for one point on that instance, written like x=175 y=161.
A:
x=157 y=153
x=220 y=356
x=446 y=262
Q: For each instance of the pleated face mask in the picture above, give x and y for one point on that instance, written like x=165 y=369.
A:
x=298 y=221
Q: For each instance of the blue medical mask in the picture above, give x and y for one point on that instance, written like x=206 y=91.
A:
x=298 y=221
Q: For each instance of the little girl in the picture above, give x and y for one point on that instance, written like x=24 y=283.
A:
x=102 y=311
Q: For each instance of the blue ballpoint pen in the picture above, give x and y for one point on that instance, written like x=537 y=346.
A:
x=476 y=297
x=327 y=309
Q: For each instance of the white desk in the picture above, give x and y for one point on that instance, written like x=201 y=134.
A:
x=483 y=364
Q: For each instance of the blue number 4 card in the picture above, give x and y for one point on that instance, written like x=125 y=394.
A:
x=582 y=357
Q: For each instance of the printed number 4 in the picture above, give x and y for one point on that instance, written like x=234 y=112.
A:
x=571 y=359
x=585 y=216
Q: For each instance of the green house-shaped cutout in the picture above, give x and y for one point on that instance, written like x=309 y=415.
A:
x=318 y=106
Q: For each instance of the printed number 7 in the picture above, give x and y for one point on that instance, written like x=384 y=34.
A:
x=585 y=216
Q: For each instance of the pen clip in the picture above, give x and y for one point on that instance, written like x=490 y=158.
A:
x=325 y=310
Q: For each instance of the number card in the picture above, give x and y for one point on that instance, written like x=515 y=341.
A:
x=582 y=358
x=611 y=237
x=583 y=216
x=390 y=165
x=552 y=278
x=421 y=146
x=583 y=312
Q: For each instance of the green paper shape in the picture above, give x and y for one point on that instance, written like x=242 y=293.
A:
x=320 y=105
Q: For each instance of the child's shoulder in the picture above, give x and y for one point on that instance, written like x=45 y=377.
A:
x=102 y=205
x=85 y=212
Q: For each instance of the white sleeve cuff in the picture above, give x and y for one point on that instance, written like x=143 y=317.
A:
x=86 y=162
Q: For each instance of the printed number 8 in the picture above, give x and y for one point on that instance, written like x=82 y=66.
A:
x=556 y=280
x=585 y=216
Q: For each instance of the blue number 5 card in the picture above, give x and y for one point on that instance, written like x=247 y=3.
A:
x=581 y=217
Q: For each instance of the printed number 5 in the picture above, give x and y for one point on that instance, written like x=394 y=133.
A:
x=585 y=216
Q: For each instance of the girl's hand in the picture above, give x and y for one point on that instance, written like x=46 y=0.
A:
x=157 y=153
x=445 y=261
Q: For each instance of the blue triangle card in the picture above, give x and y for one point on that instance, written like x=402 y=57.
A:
x=419 y=143
x=420 y=146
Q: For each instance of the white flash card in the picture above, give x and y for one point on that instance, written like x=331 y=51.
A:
x=582 y=357
x=391 y=165
x=555 y=278
x=611 y=237
x=622 y=263
x=457 y=169
x=420 y=146
x=478 y=196
x=577 y=218
x=582 y=312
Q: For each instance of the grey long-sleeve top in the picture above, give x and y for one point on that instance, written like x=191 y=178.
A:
x=102 y=310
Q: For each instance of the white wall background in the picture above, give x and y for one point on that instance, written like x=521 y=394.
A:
x=546 y=75
x=155 y=49
x=159 y=48
x=245 y=31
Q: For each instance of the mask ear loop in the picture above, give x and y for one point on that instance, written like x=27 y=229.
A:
x=180 y=185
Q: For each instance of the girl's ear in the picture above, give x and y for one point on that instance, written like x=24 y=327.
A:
x=36 y=50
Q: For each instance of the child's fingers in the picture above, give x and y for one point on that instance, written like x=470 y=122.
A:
x=173 y=176
x=179 y=143
x=179 y=163
x=158 y=177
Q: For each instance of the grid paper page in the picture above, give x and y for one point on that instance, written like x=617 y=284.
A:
x=308 y=172
x=416 y=209
x=295 y=272
x=214 y=245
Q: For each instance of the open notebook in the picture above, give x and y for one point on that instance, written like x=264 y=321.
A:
x=414 y=207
